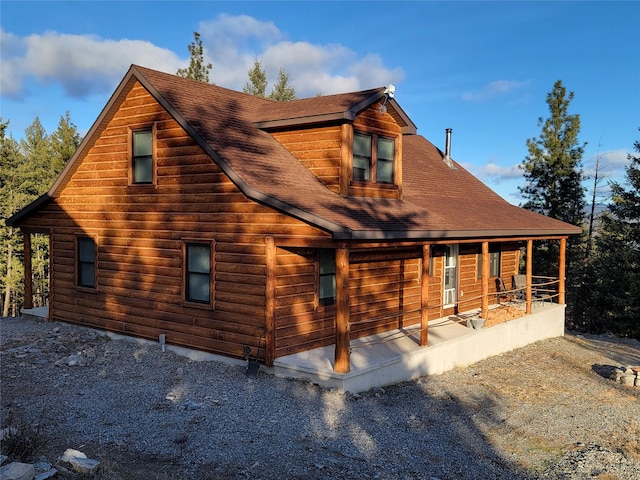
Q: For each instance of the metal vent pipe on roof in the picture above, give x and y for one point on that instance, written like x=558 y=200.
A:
x=447 y=149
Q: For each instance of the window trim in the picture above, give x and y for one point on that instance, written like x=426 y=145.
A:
x=131 y=134
x=186 y=242
x=77 y=262
x=495 y=266
x=326 y=301
x=375 y=137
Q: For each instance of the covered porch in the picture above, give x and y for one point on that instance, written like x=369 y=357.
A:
x=345 y=345
x=396 y=356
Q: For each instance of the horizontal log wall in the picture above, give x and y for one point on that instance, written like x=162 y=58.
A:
x=384 y=294
x=318 y=149
x=301 y=323
x=140 y=230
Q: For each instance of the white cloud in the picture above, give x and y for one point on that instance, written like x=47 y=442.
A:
x=500 y=172
x=610 y=166
x=232 y=43
x=494 y=172
x=493 y=90
x=86 y=64
x=82 y=64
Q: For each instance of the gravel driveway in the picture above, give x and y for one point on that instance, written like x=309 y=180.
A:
x=546 y=411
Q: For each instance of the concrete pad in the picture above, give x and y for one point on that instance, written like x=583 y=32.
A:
x=396 y=356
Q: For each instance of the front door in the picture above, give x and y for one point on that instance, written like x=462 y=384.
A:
x=450 y=290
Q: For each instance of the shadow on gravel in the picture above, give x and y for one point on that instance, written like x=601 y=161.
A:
x=623 y=351
x=605 y=371
x=146 y=414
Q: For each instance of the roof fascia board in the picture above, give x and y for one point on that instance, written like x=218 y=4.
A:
x=299 y=121
x=91 y=137
x=410 y=128
x=15 y=219
x=349 y=115
x=451 y=234
x=88 y=140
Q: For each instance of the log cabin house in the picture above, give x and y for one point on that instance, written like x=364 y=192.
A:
x=231 y=223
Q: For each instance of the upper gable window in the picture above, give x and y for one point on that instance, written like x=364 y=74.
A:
x=373 y=158
x=142 y=157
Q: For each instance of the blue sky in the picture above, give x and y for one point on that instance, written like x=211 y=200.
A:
x=481 y=68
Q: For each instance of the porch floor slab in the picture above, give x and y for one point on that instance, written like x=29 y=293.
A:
x=396 y=356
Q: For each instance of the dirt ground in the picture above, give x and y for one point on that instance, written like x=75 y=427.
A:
x=546 y=411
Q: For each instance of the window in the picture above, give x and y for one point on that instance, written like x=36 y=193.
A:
x=494 y=261
x=142 y=157
x=361 y=157
x=86 y=264
x=450 y=296
x=198 y=273
x=326 y=276
x=373 y=158
x=384 y=171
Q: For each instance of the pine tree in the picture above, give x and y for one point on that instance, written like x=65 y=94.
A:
x=197 y=69
x=553 y=176
x=12 y=198
x=610 y=296
x=282 y=91
x=257 y=83
x=64 y=142
x=36 y=149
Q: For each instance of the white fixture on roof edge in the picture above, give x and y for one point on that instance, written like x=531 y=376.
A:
x=389 y=92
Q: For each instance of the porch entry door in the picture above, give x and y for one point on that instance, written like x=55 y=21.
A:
x=450 y=287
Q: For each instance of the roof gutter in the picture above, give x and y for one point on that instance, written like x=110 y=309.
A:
x=450 y=234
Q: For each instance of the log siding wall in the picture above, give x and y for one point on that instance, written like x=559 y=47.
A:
x=327 y=152
x=140 y=232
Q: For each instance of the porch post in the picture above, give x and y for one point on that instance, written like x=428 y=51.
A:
x=270 y=314
x=485 y=280
x=342 y=361
x=424 y=297
x=28 y=273
x=529 y=274
x=561 y=273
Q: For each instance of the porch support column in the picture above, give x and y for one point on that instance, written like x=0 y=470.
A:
x=529 y=274
x=485 y=280
x=270 y=315
x=562 y=262
x=28 y=273
x=343 y=341
x=424 y=297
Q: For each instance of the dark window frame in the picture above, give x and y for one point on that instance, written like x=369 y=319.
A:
x=495 y=261
x=86 y=282
x=138 y=159
x=187 y=294
x=326 y=261
x=374 y=159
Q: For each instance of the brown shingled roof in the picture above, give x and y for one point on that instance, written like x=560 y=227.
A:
x=438 y=202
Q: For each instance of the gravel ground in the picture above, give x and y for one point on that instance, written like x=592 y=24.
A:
x=546 y=411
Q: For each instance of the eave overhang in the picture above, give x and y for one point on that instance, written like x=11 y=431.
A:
x=15 y=219
x=408 y=127
x=451 y=234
